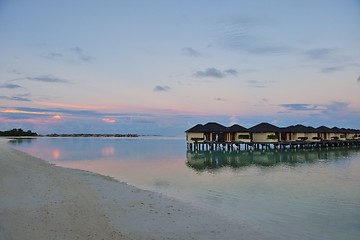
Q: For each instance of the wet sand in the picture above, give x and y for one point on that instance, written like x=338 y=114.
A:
x=41 y=201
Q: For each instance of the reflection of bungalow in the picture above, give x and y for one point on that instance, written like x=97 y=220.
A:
x=264 y=132
x=209 y=132
x=299 y=133
x=237 y=133
x=323 y=133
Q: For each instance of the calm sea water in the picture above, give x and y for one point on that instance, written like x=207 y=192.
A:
x=303 y=194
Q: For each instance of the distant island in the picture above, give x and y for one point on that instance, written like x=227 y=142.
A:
x=92 y=135
x=21 y=133
x=18 y=132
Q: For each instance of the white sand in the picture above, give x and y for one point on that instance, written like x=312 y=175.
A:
x=42 y=201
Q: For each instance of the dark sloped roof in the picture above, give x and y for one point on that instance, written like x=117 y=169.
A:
x=196 y=128
x=336 y=130
x=214 y=127
x=349 y=130
x=323 y=129
x=237 y=128
x=264 y=127
x=267 y=127
x=298 y=129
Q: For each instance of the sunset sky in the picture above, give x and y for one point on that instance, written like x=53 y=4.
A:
x=160 y=67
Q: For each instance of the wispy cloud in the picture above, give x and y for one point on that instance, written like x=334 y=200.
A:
x=321 y=110
x=10 y=86
x=80 y=54
x=16 y=98
x=47 y=79
x=302 y=107
x=219 y=99
x=14 y=71
x=259 y=84
x=319 y=53
x=109 y=120
x=335 y=107
x=54 y=56
x=163 y=88
x=191 y=52
x=215 y=73
x=358 y=79
x=240 y=34
x=331 y=69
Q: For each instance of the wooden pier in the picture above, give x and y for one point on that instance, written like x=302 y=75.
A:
x=240 y=145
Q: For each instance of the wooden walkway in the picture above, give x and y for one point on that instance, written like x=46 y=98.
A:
x=240 y=145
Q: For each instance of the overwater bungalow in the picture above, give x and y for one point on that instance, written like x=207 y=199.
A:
x=352 y=134
x=337 y=134
x=237 y=133
x=265 y=136
x=211 y=131
x=299 y=133
x=265 y=133
x=195 y=134
x=323 y=132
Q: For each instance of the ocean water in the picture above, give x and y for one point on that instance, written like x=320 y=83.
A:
x=303 y=194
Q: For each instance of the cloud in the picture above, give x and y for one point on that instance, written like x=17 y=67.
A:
x=109 y=120
x=191 y=52
x=358 y=79
x=47 y=79
x=54 y=56
x=259 y=84
x=10 y=86
x=215 y=73
x=80 y=54
x=53 y=111
x=16 y=98
x=302 y=107
x=219 y=99
x=335 y=107
x=159 y=88
x=14 y=71
x=319 y=53
x=240 y=34
x=231 y=72
x=331 y=69
x=251 y=44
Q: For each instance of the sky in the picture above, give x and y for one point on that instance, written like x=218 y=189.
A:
x=161 y=67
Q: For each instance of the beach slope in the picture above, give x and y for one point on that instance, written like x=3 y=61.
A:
x=42 y=201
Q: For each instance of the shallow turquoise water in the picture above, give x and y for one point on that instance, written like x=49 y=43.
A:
x=303 y=194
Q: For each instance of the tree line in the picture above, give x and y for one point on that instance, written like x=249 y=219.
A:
x=18 y=132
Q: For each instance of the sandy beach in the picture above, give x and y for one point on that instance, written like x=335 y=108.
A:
x=42 y=201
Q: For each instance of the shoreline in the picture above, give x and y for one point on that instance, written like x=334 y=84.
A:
x=43 y=201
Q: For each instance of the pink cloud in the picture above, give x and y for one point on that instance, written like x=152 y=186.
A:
x=108 y=120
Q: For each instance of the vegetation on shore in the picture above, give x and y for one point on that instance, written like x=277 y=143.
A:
x=21 y=133
x=18 y=132
x=91 y=135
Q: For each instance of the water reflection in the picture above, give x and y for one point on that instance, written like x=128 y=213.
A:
x=21 y=141
x=213 y=160
x=108 y=151
x=56 y=154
